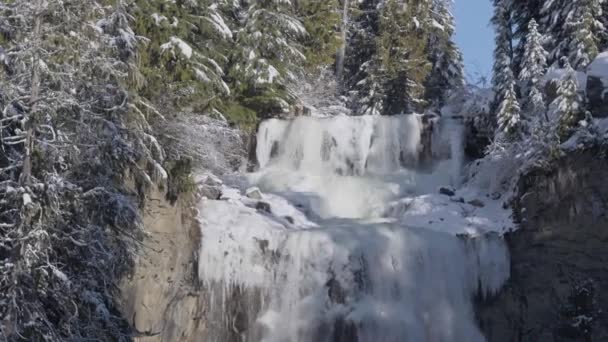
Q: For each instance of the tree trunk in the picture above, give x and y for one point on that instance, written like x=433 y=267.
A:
x=26 y=172
x=342 y=50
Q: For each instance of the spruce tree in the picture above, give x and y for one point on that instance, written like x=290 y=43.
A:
x=269 y=55
x=573 y=29
x=567 y=109
x=533 y=67
x=186 y=59
x=401 y=55
x=71 y=132
x=322 y=21
x=447 y=73
x=503 y=81
x=503 y=52
x=360 y=66
x=508 y=113
x=585 y=29
x=524 y=11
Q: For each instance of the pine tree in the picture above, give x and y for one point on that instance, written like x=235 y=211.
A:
x=360 y=67
x=73 y=132
x=533 y=68
x=322 y=21
x=566 y=109
x=508 y=114
x=503 y=52
x=585 y=29
x=402 y=54
x=502 y=72
x=447 y=74
x=185 y=61
x=269 y=55
x=524 y=11
x=574 y=29
x=503 y=81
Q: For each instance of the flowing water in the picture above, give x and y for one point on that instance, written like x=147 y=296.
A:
x=353 y=242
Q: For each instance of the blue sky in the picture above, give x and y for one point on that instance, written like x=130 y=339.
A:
x=475 y=36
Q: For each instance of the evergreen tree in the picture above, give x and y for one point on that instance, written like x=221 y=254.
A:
x=70 y=132
x=533 y=67
x=585 y=30
x=567 y=109
x=503 y=51
x=322 y=21
x=574 y=29
x=508 y=114
x=502 y=72
x=360 y=66
x=186 y=58
x=447 y=73
x=503 y=81
x=524 y=11
x=269 y=55
x=402 y=54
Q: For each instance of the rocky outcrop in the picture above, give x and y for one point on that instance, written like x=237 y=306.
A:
x=161 y=299
x=597 y=96
x=597 y=86
x=559 y=257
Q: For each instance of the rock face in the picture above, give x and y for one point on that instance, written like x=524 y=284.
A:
x=597 y=86
x=597 y=95
x=161 y=298
x=559 y=257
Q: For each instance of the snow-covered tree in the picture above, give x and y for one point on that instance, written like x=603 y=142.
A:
x=533 y=68
x=185 y=61
x=503 y=51
x=503 y=81
x=447 y=73
x=573 y=29
x=70 y=132
x=567 y=109
x=508 y=113
x=401 y=54
x=524 y=11
x=269 y=54
x=584 y=27
x=360 y=81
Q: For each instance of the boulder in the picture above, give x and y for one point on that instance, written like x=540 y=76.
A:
x=210 y=192
x=477 y=203
x=597 y=96
x=447 y=191
x=263 y=206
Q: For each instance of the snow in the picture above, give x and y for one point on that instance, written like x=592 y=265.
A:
x=345 y=225
x=219 y=24
x=158 y=19
x=183 y=47
x=201 y=76
x=27 y=199
x=557 y=74
x=599 y=68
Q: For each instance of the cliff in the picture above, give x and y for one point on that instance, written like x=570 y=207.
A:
x=160 y=298
x=558 y=256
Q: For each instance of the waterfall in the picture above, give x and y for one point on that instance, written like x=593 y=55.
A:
x=347 y=248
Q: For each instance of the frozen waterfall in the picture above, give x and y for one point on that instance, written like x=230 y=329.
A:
x=348 y=239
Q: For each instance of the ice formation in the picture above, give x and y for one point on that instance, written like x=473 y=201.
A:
x=349 y=239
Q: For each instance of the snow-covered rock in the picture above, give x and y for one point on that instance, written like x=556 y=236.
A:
x=254 y=193
x=597 y=86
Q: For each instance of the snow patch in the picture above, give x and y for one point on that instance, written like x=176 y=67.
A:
x=183 y=47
